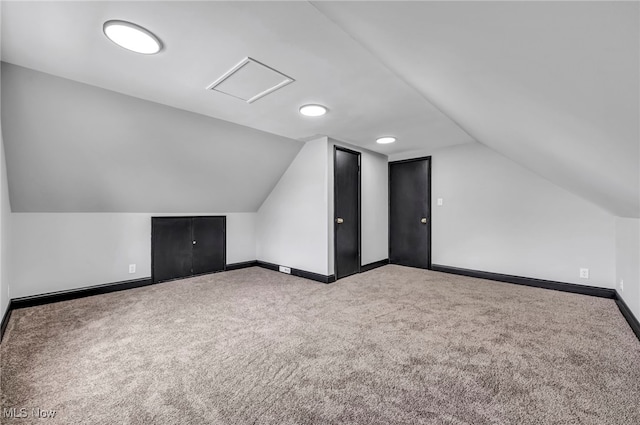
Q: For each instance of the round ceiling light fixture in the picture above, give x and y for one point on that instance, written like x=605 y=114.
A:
x=385 y=140
x=132 y=37
x=313 y=110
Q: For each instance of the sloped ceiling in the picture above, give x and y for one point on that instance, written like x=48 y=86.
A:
x=72 y=147
x=203 y=40
x=551 y=85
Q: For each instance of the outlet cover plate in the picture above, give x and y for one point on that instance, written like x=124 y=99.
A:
x=284 y=269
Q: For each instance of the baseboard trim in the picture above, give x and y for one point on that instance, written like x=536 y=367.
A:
x=35 y=300
x=631 y=319
x=242 y=265
x=374 y=265
x=300 y=273
x=54 y=297
x=528 y=281
x=5 y=320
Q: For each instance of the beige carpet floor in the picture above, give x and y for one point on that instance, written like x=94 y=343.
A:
x=393 y=345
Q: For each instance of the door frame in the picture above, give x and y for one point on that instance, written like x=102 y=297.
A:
x=429 y=218
x=336 y=148
x=154 y=218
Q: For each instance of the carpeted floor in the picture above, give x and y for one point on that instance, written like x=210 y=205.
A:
x=393 y=345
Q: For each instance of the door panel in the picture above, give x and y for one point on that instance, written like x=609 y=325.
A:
x=209 y=247
x=171 y=245
x=409 y=204
x=347 y=210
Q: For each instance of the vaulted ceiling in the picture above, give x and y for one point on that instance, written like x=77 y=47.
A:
x=553 y=86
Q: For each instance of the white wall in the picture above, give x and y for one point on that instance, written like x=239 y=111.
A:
x=374 y=171
x=499 y=217
x=290 y=229
x=60 y=251
x=289 y=222
x=5 y=223
x=5 y=232
x=628 y=262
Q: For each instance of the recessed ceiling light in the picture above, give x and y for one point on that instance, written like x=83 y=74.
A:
x=313 y=110
x=132 y=37
x=385 y=140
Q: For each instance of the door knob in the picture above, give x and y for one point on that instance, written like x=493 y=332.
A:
x=339 y=220
x=423 y=221
x=194 y=242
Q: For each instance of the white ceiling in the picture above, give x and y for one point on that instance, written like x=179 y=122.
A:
x=552 y=85
x=203 y=40
x=72 y=147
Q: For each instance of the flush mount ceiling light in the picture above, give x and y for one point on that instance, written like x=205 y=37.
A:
x=385 y=140
x=313 y=110
x=132 y=37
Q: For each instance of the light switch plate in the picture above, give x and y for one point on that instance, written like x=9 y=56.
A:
x=440 y=202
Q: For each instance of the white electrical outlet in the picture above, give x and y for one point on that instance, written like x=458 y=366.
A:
x=132 y=268
x=440 y=202
x=284 y=269
x=584 y=273
x=621 y=285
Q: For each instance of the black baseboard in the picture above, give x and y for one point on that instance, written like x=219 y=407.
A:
x=36 y=300
x=243 y=265
x=5 y=320
x=528 y=281
x=54 y=297
x=300 y=273
x=374 y=265
x=548 y=284
x=628 y=315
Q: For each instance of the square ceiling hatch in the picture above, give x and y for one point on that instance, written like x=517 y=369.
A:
x=250 y=80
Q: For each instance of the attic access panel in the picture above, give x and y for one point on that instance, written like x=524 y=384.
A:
x=250 y=80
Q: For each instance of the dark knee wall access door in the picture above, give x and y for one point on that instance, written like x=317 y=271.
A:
x=410 y=212
x=187 y=246
x=346 y=168
x=209 y=250
x=171 y=248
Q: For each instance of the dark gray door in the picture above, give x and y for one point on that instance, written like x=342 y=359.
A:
x=208 y=244
x=171 y=243
x=185 y=246
x=410 y=213
x=347 y=212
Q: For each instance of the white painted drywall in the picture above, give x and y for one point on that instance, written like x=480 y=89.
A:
x=499 y=217
x=72 y=147
x=290 y=222
x=5 y=232
x=374 y=214
x=60 y=251
x=553 y=85
x=5 y=226
x=329 y=66
x=628 y=262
